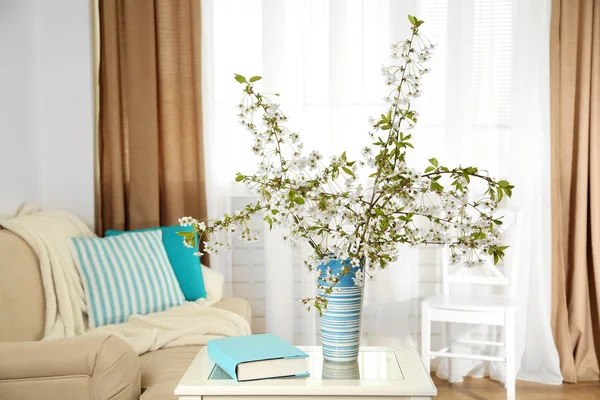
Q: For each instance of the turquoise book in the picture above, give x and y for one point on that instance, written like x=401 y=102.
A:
x=265 y=356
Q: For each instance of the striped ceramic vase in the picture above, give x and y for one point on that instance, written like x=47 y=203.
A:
x=340 y=323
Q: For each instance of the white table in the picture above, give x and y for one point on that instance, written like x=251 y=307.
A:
x=381 y=373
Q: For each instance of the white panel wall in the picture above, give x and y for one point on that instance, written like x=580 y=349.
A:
x=46 y=105
x=248 y=271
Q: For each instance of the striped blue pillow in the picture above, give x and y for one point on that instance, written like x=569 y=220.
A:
x=125 y=275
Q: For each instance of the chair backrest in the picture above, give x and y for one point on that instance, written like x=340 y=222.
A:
x=502 y=275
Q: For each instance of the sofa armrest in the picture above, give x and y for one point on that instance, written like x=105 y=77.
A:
x=94 y=367
x=237 y=305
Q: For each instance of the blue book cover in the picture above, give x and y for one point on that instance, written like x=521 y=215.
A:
x=257 y=357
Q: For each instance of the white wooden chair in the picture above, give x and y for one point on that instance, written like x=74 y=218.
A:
x=488 y=309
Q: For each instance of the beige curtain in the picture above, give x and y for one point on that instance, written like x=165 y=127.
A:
x=575 y=105
x=150 y=151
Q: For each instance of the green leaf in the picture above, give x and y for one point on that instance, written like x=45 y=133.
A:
x=239 y=177
x=240 y=78
x=508 y=192
x=419 y=23
x=189 y=237
x=379 y=212
x=348 y=171
x=503 y=184
x=269 y=221
x=429 y=169
x=433 y=162
x=299 y=200
x=436 y=186
x=255 y=78
x=385 y=223
x=413 y=20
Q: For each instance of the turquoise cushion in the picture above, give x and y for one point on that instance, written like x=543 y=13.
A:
x=185 y=264
x=125 y=275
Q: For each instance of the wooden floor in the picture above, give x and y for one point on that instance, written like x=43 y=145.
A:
x=487 y=389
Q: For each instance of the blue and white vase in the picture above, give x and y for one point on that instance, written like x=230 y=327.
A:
x=340 y=322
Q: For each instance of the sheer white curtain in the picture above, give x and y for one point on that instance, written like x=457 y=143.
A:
x=484 y=104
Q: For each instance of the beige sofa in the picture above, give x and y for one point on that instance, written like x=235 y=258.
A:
x=79 y=368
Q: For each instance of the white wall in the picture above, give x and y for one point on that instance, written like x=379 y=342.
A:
x=19 y=144
x=46 y=105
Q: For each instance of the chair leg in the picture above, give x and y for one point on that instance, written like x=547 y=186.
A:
x=510 y=379
x=425 y=337
x=448 y=335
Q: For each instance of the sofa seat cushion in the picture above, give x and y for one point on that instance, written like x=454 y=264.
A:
x=162 y=391
x=166 y=365
x=162 y=369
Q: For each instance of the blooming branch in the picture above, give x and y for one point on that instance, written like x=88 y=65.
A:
x=340 y=215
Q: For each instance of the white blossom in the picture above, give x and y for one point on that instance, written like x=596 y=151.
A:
x=187 y=221
x=358 y=278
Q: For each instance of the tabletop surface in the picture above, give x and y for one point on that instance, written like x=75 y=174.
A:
x=384 y=371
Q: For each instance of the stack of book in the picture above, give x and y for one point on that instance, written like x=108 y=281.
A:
x=248 y=358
